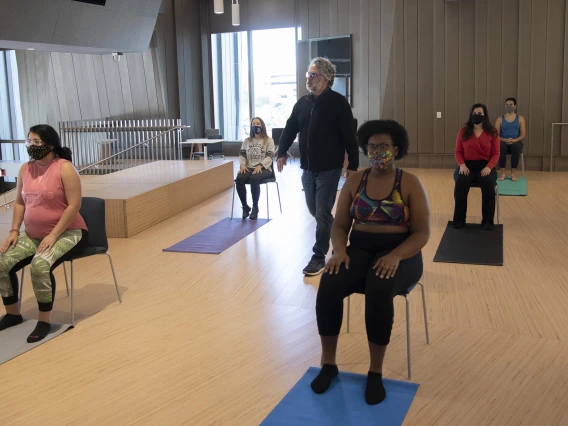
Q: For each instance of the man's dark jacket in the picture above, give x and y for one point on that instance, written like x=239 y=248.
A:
x=325 y=124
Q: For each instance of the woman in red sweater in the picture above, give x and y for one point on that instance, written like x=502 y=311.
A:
x=477 y=153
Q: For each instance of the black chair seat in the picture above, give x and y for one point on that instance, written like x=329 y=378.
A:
x=403 y=293
x=89 y=251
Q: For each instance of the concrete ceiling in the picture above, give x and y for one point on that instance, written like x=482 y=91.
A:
x=74 y=27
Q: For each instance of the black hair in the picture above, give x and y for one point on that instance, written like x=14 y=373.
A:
x=51 y=138
x=487 y=126
x=511 y=99
x=396 y=131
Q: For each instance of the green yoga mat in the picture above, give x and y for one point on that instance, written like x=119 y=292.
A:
x=509 y=187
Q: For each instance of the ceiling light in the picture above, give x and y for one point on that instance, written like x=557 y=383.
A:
x=236 y=13
x=218 y=6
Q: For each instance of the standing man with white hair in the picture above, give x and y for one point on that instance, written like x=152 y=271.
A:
x=325 y=123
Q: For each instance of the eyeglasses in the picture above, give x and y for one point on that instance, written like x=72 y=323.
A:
x=312 y=75
x=380 y=148
x=36 y=142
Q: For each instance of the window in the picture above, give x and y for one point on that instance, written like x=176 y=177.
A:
x=231 y=84
x=274 y=75
x=11 y=123
x=267 y=89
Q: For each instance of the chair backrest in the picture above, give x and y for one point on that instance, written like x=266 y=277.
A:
x=93 y=211
x=276 y=134
x=215 y=148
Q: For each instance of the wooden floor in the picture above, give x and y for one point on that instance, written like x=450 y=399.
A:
x=220 y=339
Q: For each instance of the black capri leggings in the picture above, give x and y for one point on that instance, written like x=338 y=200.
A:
x=364 y=250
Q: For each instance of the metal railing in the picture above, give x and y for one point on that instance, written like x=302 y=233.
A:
x=101 y=147
x=169 y=148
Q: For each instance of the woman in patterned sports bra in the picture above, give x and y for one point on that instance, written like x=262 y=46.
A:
x=385 y=213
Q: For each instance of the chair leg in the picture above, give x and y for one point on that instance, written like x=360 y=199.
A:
x=279 y=202
x=497 y=202
x=267 y=203
x=233 y=204
x=21 y=289
x=424 y=309
x=348 y=311
x=114 y=277
x=408 y=335
x=66 y=283
x=72 y=297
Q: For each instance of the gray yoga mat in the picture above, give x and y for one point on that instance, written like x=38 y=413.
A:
x=13 y=340
x=218 y=237
x=471 y=245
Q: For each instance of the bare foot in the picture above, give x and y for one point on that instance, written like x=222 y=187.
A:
x=513 y=178
x=502 y=177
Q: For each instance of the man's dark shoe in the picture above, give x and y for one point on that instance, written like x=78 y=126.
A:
x=315 y=267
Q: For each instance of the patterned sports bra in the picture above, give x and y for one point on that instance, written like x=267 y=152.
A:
x=389 y=211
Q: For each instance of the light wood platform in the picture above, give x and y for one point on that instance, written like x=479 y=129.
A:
x=220 y=339
x=142 y=196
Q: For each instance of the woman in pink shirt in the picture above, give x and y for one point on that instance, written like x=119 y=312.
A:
x=477 y=153
x=48 y=202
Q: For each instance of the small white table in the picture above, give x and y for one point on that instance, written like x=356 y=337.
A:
x=203 y=142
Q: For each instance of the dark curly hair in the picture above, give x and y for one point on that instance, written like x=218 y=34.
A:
x=487 y=126
x=396 y=131
x=51 y=138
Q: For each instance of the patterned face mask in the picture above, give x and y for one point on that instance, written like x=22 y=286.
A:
x=381 y=160
x=39 y=152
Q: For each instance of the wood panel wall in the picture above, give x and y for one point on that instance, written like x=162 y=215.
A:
x=413 y=58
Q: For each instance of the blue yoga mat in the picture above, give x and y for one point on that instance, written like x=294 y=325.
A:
x=218 y=237
x=342 y=404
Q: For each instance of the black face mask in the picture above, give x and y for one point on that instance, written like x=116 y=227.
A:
x=477 y=119
x=39 y=152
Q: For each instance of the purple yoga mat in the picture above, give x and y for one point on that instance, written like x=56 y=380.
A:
x=218 y=237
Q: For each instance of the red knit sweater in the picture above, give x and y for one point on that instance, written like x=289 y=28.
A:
x=485 y=147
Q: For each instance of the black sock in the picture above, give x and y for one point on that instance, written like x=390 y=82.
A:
x=375 y=391
x=42 y=329
x=323 y=380
x=10 y=320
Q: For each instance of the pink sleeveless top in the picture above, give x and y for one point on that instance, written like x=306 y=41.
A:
x=44 y=199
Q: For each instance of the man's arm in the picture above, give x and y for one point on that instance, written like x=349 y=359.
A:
x=523 y=126
x=290 y=131
x=348 y=136
x=498 y=126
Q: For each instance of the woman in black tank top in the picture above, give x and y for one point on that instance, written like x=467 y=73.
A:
x=383 y=258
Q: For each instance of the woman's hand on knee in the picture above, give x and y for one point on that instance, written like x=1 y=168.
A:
x=243 y=168
x=464 y=170
x=46 y=244
x=485 y=171
x=387 y=265
x=11 y=242
x=334 y=264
